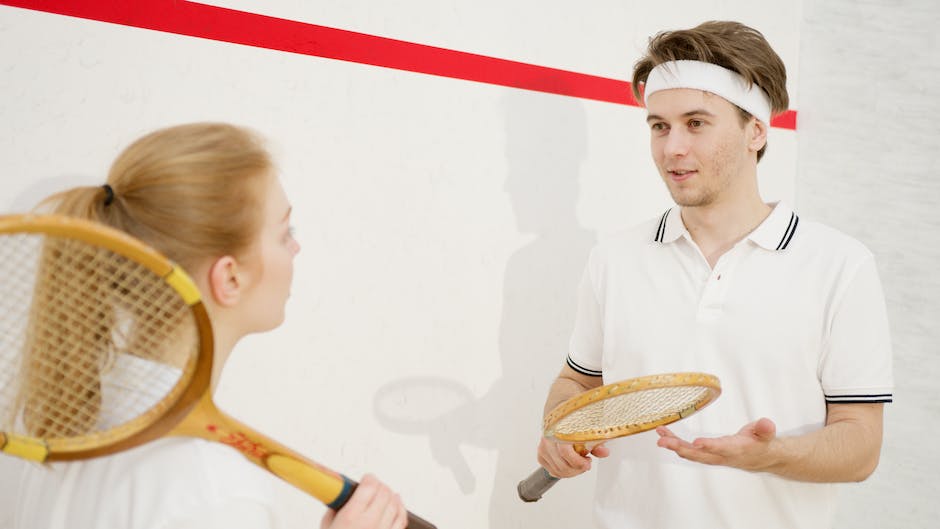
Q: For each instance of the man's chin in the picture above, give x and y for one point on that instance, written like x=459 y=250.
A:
x=687 y=201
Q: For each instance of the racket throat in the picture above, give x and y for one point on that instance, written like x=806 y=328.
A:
x=688 y=411
x=207 y=422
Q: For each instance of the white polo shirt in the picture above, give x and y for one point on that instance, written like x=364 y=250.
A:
x=790 y=318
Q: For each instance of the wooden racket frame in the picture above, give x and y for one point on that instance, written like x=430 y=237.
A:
x=633 y=385
x=536 y=484
x=189 y=388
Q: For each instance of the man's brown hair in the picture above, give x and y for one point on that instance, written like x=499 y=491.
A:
x=732 y=46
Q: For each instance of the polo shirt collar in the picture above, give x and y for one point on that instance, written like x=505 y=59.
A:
x=774 y=234
x=777 y=230
x=671 y=226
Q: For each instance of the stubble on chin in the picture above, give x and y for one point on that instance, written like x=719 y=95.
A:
x=690 y=197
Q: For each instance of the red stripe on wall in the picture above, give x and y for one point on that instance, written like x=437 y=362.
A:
x=251 y=29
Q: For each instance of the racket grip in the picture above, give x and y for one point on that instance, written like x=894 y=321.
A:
x=531 y=488
x=417 y=522
x=414 y=521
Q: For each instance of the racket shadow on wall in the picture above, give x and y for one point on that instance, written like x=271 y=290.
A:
x=438 y=408
x=106 y=345
x=616 y=410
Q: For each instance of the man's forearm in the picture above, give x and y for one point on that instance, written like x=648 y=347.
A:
x=568 y=384
x=846 y=449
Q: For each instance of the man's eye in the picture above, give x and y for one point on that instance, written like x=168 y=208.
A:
x=696 y=123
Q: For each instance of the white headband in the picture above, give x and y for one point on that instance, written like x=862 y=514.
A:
x=710 y=78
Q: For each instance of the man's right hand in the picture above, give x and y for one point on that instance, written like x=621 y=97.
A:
x=562 y=461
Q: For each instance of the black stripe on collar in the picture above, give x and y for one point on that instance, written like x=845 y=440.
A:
x=791 y=229
x=662 y=226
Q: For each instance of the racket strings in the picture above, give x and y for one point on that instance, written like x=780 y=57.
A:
x=630 y=411
x=18 y=259
x=94 y=338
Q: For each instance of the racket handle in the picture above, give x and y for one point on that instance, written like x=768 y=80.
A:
x=531 y=488
x=417 y=522
x=414 y=521
x=332 y=488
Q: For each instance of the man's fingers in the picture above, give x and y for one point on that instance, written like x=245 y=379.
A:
x=667 y=439
x=561 y=460
x=765 y=429
x=564 y=460
x=664 y=432
x=573 y=458
x=699 y=455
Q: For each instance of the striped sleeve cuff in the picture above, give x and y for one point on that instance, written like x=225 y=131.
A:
x=861 y=398
x=583 y=370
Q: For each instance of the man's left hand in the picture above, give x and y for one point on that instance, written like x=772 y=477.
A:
x=749 y=449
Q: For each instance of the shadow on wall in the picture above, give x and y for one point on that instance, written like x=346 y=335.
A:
x=546 y=143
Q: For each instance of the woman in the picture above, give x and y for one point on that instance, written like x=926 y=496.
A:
x=207 y=196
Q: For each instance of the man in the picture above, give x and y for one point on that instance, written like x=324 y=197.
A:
x=788 y=313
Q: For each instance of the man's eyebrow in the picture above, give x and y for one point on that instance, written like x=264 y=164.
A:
x=698 y=112
x=695 y=112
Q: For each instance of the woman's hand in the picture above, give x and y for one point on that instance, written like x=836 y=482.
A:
x=372 y=506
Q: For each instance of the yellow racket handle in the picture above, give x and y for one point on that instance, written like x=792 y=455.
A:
x=333 y=489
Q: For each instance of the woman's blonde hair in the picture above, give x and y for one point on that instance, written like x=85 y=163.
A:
x=194 y=192
x=191 y=191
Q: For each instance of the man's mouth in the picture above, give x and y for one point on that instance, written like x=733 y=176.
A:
x=678 y=175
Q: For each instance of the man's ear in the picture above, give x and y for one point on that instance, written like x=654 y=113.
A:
x=757 y=131
x=225 y=283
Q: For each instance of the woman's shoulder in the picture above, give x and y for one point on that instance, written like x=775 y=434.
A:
x=210 y=470
x=159 y=484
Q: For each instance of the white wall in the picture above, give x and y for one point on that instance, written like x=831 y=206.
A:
x=444 y=223
x=868 y=143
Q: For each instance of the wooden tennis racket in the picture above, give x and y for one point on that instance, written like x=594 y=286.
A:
x=106 y=345
x=616 y=410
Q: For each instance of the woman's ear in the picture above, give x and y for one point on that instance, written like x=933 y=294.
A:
x=758 y=134
x=225 y=283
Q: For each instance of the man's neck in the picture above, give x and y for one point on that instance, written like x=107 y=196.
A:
x=717 y=227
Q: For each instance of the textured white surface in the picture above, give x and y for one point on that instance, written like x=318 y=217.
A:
x=444 y=223
x=868 y=139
